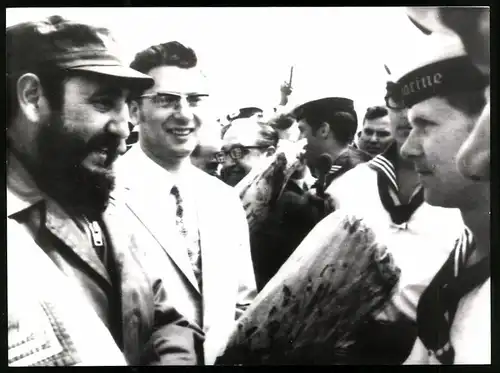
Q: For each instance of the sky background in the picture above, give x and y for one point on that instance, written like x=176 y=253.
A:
x=247 y=52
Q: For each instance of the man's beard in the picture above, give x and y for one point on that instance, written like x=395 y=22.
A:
x=60 y=173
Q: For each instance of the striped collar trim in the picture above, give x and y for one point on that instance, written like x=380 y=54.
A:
x=383 y=164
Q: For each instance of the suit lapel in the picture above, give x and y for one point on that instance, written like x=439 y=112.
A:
x=143 y=204
x=66 y=229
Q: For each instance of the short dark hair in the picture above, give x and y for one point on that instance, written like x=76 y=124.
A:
x=375 y=112
x=338 y=112
x=171 y=53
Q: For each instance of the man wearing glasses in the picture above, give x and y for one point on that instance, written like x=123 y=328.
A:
x=201 y=246
x=244 y=144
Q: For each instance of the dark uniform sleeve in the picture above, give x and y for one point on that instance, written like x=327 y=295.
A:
x=288 y=223
x=175 y=341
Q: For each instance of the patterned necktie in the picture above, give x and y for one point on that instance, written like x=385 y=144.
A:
x=191 y=238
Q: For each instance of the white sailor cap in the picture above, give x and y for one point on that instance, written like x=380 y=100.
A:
x=438 y=66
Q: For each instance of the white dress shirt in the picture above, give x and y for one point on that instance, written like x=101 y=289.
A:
x=160 y=182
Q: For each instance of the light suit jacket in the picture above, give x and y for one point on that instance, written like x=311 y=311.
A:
x=227 y=270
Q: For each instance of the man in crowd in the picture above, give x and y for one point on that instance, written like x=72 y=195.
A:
x=201 y=244
x=387 y=193
x=472 y=26
x=85 y=294
x=245 y=144
x=454 y=320
x=329 y=125
x=376 y=134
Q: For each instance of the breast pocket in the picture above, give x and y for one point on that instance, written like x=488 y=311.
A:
x=36 y=338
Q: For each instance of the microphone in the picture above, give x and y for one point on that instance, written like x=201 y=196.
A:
x=325 y=162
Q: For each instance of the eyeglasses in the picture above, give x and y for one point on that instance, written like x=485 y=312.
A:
x=219 y=157
x=172 y=99
x=236 y=152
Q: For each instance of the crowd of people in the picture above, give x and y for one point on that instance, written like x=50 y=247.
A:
x=129 y=245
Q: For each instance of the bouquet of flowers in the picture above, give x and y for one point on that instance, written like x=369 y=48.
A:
x=310 y=310
x=263 y=185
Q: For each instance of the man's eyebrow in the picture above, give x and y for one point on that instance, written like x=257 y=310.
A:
x=421 y=120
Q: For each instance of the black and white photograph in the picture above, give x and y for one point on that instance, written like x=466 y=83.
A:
x=248 y=186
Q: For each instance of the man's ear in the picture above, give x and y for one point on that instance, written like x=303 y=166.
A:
x=270 y=151
x=323 y=130
x=30 y=97
x=134 y=111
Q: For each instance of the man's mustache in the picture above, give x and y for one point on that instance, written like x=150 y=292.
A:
x=107 y=142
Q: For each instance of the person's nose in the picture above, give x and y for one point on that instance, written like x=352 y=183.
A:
x=119 y=125
x=411 y=148
x=373 y=138
x=184 y=110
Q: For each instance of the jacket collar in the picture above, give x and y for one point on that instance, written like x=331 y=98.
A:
x=154 y=176
x=22 y=191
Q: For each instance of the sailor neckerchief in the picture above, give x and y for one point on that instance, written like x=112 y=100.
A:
x=385 y=165
x=439 y=302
